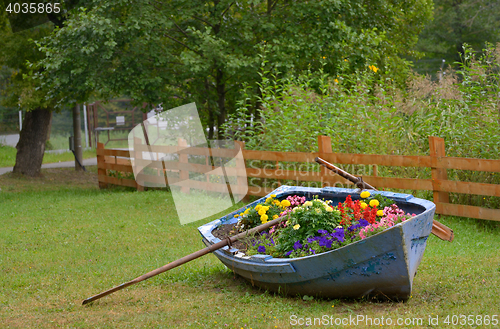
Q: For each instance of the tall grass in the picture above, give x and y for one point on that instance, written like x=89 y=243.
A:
x=366 y=113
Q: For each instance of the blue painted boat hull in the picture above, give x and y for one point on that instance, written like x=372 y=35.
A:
x=381 y=265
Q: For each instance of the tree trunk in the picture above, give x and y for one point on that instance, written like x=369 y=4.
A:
x=32 y=139
x=77 y=133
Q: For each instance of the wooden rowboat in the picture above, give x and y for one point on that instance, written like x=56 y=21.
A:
x=381 y=265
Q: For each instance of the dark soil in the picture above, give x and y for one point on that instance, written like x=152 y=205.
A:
x=224 y=231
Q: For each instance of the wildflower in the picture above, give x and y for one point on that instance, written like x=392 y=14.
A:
x=336 y=80
x=257 y=207
x=285 y=203
x=380 y=213
x=273 y=195
x=296 y=226
x=262 y=211
x=374 y=203
x=363 y=205
x=268 y=200
x=261 y=249
x=247 y=211
x=275 y=216
x=297 y=245
x=264 y=218
x=236 y=216
x=364 y=194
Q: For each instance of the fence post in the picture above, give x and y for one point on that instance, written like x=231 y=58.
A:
x=324 y=146
x=241 y=180
x=436 y=149
x=101 y=171
x=138 y=168
x=183 y=158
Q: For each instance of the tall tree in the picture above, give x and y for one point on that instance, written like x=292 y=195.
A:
x=171 y=52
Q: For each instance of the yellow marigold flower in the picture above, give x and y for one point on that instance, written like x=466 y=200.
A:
x=257 y=207
x=273 y=195
x=275 y=216
x=363 y=205
x=380 y=213
x=262 y=211
x=266 y=208
x=247 y=211
x=268 y=200
x=264 y=218
x=285 y=203
x=364 y=194
x=296 y=227
x=276 y=202
x=236 y=216
x=374 y=203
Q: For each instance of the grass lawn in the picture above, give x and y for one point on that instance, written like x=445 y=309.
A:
x=64 y=240
x=8 y=156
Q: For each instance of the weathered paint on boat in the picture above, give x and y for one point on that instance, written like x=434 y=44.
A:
x=383 y=264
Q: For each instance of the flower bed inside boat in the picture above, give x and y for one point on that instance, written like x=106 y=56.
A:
x=315 y=226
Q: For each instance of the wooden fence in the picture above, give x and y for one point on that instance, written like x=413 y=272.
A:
x=119 y=162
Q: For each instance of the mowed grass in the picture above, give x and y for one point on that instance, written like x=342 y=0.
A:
x=63 y=240
x=8 y=156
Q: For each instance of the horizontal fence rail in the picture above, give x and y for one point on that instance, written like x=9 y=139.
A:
x=114 y=167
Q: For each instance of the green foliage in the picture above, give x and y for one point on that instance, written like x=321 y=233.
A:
x=173 y=52
x=359 y=112
x=457 y=23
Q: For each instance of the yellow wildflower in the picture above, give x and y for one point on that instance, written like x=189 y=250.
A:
x=380 y=213
x=336 y=80
x=364 y=194
x=374 y=203
x=296 y=227
x=264 y=218
x=262 y=211
x=363 y=205
x=257 y=207
x=285 y=203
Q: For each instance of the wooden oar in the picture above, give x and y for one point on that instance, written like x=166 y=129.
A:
x=188 y=258
x=441 y=231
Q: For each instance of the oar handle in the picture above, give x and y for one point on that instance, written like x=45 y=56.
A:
x=358 y=181
x=187 y=258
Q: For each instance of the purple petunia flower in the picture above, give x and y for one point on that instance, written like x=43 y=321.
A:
x=288 y=253
x=338 y=234
x=325 y=242
x=297 y=245
x=322 y=231
x=261 y=249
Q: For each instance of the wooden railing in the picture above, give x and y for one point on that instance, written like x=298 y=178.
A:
x=437 y=161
